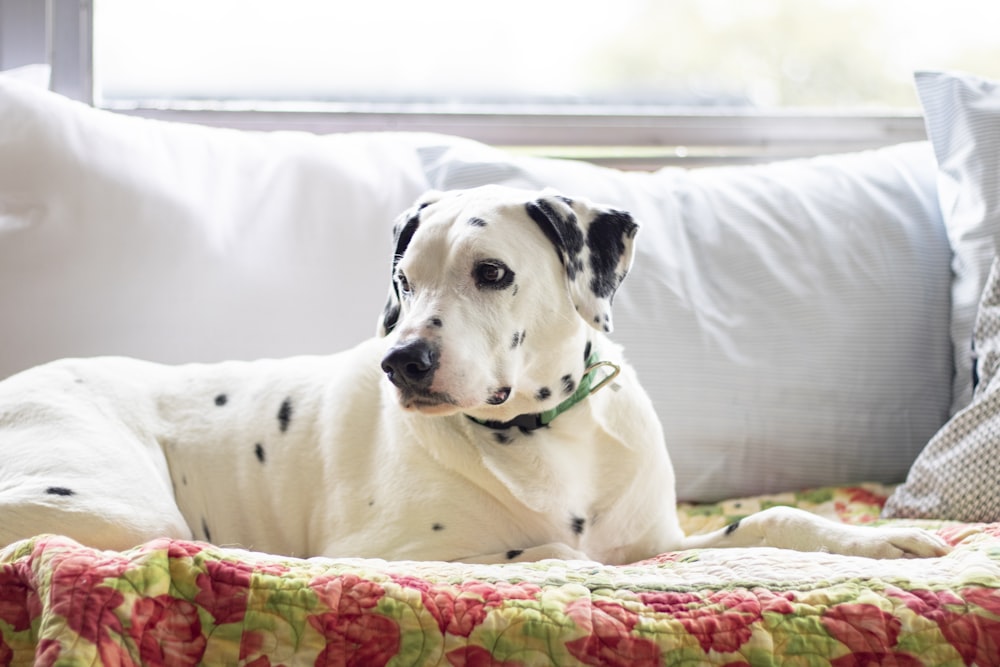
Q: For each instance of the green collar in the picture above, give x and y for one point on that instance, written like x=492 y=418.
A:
x=534 y=421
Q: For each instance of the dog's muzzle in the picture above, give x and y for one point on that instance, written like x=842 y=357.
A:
x=411 y=365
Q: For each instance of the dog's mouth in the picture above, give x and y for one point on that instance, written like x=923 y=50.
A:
x=431 y=403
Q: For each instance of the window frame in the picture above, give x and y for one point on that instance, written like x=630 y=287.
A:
x=62 y=34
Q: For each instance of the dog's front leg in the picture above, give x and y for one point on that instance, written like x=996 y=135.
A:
x=556 y=550
x=791 y=528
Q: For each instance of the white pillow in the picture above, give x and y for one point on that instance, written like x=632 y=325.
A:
x=962 y=114
x=791 y=321
x=178 y=243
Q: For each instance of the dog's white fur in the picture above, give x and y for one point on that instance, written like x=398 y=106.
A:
x=325 y=456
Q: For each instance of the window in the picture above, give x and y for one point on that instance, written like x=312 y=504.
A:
x=633 y=83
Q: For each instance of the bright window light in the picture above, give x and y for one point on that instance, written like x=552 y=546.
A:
x=760 y=54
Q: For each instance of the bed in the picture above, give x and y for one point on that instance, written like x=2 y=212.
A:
x=798 y=325
x=175 y=602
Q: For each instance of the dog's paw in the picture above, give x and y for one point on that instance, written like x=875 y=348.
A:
x=887 y=542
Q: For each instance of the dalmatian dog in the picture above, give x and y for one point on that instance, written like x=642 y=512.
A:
x=491 y=420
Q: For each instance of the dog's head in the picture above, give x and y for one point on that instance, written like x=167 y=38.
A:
x=491 y=288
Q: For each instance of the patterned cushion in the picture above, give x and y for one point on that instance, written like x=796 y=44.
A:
x=957 y=476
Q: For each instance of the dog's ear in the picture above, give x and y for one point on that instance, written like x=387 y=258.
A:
x=595 y=245
x=402 y=231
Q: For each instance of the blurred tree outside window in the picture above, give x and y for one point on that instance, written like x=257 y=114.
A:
x=845 y=55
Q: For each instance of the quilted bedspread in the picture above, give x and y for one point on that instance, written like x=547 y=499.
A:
x=178 y=603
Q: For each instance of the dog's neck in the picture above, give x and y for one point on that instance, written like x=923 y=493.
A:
x=597 y=374
x=549 y=390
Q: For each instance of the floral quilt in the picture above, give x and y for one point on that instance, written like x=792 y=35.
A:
x=179 y=603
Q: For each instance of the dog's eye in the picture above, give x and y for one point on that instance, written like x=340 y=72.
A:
x=493 y=274
x=404 y=284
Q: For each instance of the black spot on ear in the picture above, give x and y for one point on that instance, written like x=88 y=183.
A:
x=59 y=491
x=403 y=236
x=731 y=528
x=285 y=414
x=476 y=222
x=563 y=232
x=568 y=384
x=205 y=530
x=586 y=352
x=221 y=400
x=514 y=553
x=578 y=525
x=258 y=451
x=390 y=314
x=606 y=240
x=437 y=527
x=543 y=393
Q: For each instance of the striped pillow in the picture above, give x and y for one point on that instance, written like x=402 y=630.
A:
x=962 y=114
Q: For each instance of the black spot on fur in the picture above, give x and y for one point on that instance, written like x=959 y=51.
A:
x=258 y=451
x=371 y=503
x=586 y=352
x=563 y=232
x=514 y=553
x=476 y=222
x=568 y=384
x=285 y=414
x=606 y=240
x=502 y=438
x=221 y=400
x=436 y=322
x=731 y=528
x=390 y=314
x=59 y=491
x=184 y=480
x=205 y=530
x=517 y=340
x=403 y=236
x=578 y=525
x=543 y=393
x=437 y=527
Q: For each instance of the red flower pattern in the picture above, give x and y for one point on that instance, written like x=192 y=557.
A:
x=975 y=637
x=869 y=633
x=14 y=595
x=609 y=639
x=80 y=595
x=724 y=620
x=167 y=631
x=459 y=609
x=477 y=656
x=224 y=589
x=354 y=635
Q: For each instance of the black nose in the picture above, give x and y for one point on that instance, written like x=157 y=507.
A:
x=411 y=364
